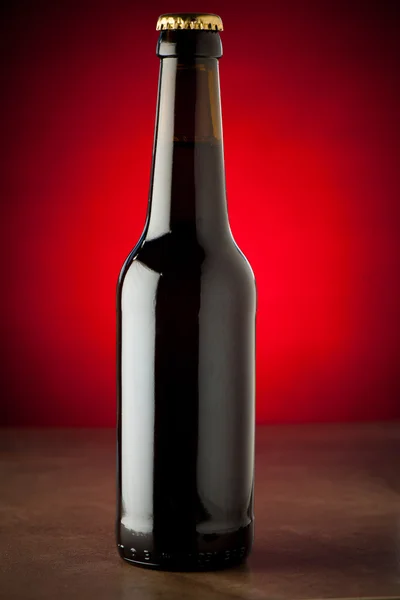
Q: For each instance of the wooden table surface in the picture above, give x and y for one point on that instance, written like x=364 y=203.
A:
x=327 y=519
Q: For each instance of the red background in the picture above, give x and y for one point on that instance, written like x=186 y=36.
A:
x=311 y=122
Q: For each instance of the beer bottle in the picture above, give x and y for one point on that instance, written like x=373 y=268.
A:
x=186 y=304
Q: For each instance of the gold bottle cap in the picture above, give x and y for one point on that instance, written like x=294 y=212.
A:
x=190 y=21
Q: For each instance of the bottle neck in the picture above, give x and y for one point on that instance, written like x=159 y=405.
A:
x=188 y=176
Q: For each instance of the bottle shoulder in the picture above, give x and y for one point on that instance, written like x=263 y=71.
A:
x=184 y=256
x=133 y=254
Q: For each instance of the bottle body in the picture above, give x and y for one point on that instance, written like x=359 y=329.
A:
x=186 y=433
x=186 y=307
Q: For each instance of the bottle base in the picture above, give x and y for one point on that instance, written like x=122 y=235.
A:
x=211 y=552
x=189 y=565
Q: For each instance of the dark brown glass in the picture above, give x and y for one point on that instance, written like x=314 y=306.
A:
x=186 y=307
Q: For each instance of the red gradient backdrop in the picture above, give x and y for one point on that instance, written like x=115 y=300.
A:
x=311 y=122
